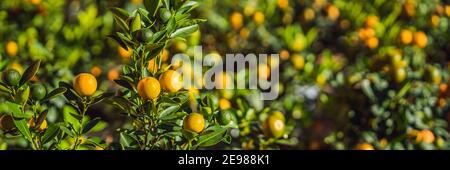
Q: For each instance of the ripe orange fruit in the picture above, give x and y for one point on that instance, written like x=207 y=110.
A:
x=333 y=12
x=224 y=104
x=11 y=48
x=372 y=42
x=371 y=21
x=283 y=4
x=85 y=84
x=425 y=136
x=284 y=54
x=366 y=33
x=309 y=14
x=136 y=2
x=148 y=88
x=124 y=53
x=236 y=20
x=113 y=74
x=165 y=55
x=171 y=81
x=410 y=8
x=194 y=122
x=443 y=89
x=263 y=71
x=35 y=2
x=273 y=126
x=259 y=18
x=96 y=71
x=6 y=122
x=364 y=146
x=406 y=36
x=152 y=66
x=435 y=20
x=420 y=39
x=41 y=128
x=249 y=10
x=298 y=61
x=223 y=81
x=244 y=33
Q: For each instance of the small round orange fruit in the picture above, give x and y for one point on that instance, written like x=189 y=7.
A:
x=171 y=81
x=124 y=53
x=406 y=36
x=333 y=12
x=194 y=122
x=298 y=61
x=236 y=20
x=364 y=146
x=259 y=18
x=152 y=66
x=371 y=21
x=113 y=74
x=283 y=4
x=96 y=71
x=11 y=48
x=148 y=88
x=372 y=42
x=263 y=71
x=224 y=104
x=85 y=84
x=420 y=39
x=425 y=136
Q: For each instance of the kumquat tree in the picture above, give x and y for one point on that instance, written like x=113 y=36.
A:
x=224 y=75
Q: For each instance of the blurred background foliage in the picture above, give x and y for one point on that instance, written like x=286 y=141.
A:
x=353 y=74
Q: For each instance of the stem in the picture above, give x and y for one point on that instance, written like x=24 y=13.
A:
x=80 y=132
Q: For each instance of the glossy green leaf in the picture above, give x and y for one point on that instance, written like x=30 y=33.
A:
x=30 y=72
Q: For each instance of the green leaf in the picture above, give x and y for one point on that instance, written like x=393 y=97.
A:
x=152 y=6
x=30 y=72
x=211 y=136
x=127 y=141
x=120 y=13
x=22 y=95
x=102 y=97
x=20 y=123
x=50 y=133
x=171 y=25
x=124 y=83
x=154 y=49
x=22 y=126
x=41 y=118
x=119 y=41
x=185 y=31
x=167 y=4
x=70 y=116
x=122 y=23
x=4 y=89
x=136 y=24
x=169 y=113
x=91 y=124
x=187 y=7
x=123 y=104
x=15 y=109
x=158 y=36
x=58 y=91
